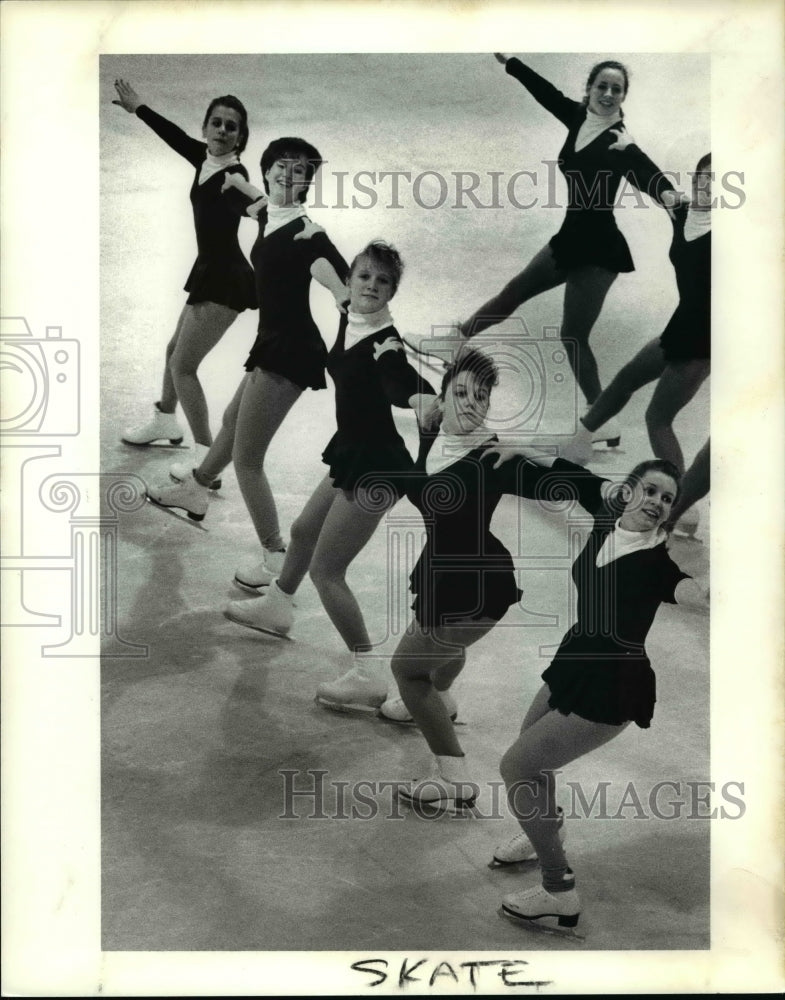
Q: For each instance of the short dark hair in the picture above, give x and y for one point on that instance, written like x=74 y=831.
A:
x=291 y=148
x=385 y=256
x=229 y=101
x=480 y=364
x=619 y=497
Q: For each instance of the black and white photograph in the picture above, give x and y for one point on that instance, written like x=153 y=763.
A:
x=393 y=575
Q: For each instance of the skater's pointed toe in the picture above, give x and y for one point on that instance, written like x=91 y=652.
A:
x=538 y=906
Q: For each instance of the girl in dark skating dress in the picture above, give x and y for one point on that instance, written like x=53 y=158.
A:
x=368 y=470
x=589 y=251
x=679 y=359
x=288 y=355
x=600 y=679
x=220 y=284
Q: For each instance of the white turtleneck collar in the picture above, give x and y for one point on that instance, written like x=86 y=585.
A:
x=362 y=325
x=279 y=216
x=593 y=126
x=620 y=541
x=214 y=164
x=697 y=224
x=451 y=448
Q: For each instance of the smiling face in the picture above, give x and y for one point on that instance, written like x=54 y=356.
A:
x=650 y=503
x=221 y=131
x=607 y=92
x=286 y=179
x=465 y=404
x=370 y=286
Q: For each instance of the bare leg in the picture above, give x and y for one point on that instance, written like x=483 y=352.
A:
x=676 y=387
x=694 y=485
x=647 y=365
x=419 y=659
x=200 y=328
x=538 y=276
x=347 y=529
x=546 y=744
x=220 y=453
x=266 y=400
x=305 y=534
x=168 y=400
x=584 y=295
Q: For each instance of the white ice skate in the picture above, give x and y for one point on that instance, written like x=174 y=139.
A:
x=538 y=906
x=447 y=786
x=609 y=434
x=180 y=471
x=257 y=573
x=359 y=689
x=188 y=496
x=687 y=525
x=162 y=427
x=271 y=614
x=518 y=850
x=395 y=710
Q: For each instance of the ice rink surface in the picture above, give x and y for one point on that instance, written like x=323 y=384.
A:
x=196 y=734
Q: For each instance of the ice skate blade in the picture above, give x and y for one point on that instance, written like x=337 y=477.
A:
x=439 y=807
x=169 y=444
x=539 y=926
x=524 y=865
x=411 y=724
x=257 y=628
x=174 y=512
x=249 y=589
x=352 y=708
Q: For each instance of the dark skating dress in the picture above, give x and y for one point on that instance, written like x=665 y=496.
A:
x=589 y=234
x=688 y=333
x=367 y=449
x=288 y=342
x=221 y=273
x=601 y=671
x=464 y=572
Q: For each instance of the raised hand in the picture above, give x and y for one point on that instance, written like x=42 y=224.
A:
x=390 y=344
x=129 y=99
x=309 y=229
x=623 y=139
x=505 y=452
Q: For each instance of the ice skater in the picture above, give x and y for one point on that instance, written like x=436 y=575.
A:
x=600 y=679
x=288 y=355
x=589 y=251
x=464 y=581
x=369 y=466
x=220 y=284
x=679 y=360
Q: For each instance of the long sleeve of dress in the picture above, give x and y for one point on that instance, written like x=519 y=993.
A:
x=172 y=135
x=561 y=483
x=400 y=380
x=644 y=173
x=553 y=100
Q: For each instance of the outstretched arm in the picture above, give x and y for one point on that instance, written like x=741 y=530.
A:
x=526 y=471
x=542 y=91
x=191 y=149
x=324 y=272
x=644 y=173
x=402 y=385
